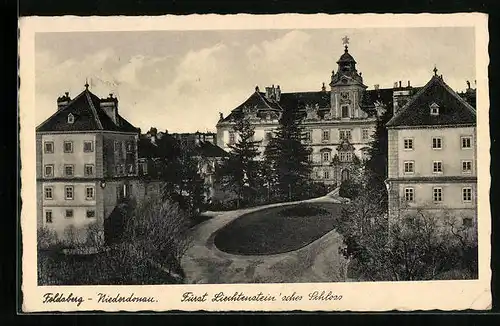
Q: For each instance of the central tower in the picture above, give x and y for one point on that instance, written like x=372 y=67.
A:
x=346 y=88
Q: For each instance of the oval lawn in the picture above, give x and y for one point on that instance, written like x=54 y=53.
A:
x=278 y=229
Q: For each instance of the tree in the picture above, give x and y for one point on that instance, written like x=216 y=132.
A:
x=376 y=165
x=287 y=157
x=420 y=248
x=178 y=167
x=159 y=230
x=241 y=170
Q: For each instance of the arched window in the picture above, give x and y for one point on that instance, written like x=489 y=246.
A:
x=71 y=118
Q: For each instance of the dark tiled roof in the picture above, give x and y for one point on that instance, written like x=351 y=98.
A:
x=88 y=116
x=207 y=149
x=302 y=99
x=452 y=108
x=258 y=101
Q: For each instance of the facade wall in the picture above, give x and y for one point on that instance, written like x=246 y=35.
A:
x=423 y=155
x=77 y=158
x=322 y=171
x=61 y=223
x=451 y=181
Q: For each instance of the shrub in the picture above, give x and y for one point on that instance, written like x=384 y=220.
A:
x=349 y=189
x=157 y=229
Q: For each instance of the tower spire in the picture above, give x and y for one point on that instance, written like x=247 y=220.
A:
x=86 y=83
x=435 y=70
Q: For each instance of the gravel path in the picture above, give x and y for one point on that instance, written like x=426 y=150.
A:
x=316 y=262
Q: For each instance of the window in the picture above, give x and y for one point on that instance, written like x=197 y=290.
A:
x=365 y=134
x=232 y=138
x=143 y=168
x=345 y=111
x=344 y=134
x=119 y=169
x=68 y=147
x=307 y=136
x=409 y=167
x=48 y=216
x=434 y=109
x=437 y=167
x=48 y=191
x=345 y=156
x=69 y=213
x=437 y=194
x=326 y=135
x=466 y=142
x=49 y=170
x=310 y=157
x=48 y=147
x=131 y=168
x=269 y=135
x=88 y=146
x=408 y=143
x=68 y=192
x=467 y=222
x=130 y=147
x=89 y=170
x=69 y=170
x=436 y=143
x=326 y=174
x=409 y=194
x=466 y=166
x=71 y=118
x=467 y=194
x=89 y=193
x=90 y=213
x=325 y=156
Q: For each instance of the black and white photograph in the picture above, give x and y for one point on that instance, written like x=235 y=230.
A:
x=255 y=165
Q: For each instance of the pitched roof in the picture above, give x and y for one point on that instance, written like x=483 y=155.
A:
x=302 y=99
x=452 y=108
x=88 y=116
x=208 y=149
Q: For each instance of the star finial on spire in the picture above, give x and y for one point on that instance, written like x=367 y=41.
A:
x=435 y=70
x=345 y=41
x=86 y=83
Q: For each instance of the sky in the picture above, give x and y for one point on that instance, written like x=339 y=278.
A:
x=180 y=80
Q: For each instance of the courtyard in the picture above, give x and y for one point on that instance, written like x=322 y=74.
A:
x=277 y=243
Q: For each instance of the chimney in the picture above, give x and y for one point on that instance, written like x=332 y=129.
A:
x=468 y=84
x=277 y=93
x=63 y=101
x=400 y=84
x=110 y=106
x=268 y=92
x=409 y=84
x=376 y=86
x=257 y=89
x=395 y=84
x=323 y=88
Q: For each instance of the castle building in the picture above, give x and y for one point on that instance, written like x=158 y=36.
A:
x=86 y=161
x=338 y=123
x=432 y=154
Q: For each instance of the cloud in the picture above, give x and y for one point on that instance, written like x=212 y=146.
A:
x=185 y=91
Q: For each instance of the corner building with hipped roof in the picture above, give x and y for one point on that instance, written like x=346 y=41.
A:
x=338 y=122
x=432 y=158
x=86 y=155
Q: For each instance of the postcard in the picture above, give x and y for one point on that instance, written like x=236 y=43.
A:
x=255 y=163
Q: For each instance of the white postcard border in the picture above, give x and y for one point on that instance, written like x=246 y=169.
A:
x=366 y=296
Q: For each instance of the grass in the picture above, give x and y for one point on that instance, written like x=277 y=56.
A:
x=278 y=229
x=106 y=268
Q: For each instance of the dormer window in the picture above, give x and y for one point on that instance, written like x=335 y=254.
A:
x=71 y=118
x=434 y=109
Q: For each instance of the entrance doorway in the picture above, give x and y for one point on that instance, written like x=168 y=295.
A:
x=345 y=175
